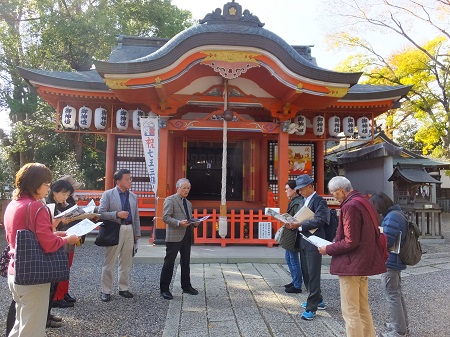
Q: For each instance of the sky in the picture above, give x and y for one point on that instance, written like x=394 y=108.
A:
x=295 y=21
x=304 y=22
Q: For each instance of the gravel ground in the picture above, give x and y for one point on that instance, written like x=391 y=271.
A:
x=427 y=297
x=143 y=315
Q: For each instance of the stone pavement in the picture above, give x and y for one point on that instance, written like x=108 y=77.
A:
x=241 y=293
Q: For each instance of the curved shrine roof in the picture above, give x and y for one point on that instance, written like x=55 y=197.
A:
x=233 y=34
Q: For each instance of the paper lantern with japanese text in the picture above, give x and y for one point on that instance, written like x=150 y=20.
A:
x=137 y=114
x=300 y=121
x=319 y=125
x=334 y=126
x=100 y=117
x=363 y=125
x=85 y=117
x=348 y=126
x=68 y=117
x=122 y=119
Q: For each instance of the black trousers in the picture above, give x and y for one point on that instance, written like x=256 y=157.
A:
x=311 y=261
x=172 y=249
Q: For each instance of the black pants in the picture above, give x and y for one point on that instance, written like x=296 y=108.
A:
x=172 y=249
x=311 y=261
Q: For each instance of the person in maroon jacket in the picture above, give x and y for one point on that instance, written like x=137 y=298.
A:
x=355 y=256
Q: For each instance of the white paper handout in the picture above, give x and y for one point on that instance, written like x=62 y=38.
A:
x=76 y=212
x=198 y=220
x=284 y=218
x=317 y=241
x=83 y=227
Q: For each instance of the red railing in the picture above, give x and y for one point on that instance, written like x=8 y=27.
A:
x=243 y=227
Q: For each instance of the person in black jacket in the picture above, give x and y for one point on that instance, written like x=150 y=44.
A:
x=311 y=259
x=292 y=256
x=394 y=224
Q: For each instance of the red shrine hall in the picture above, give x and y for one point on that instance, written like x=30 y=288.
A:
x=277 y=106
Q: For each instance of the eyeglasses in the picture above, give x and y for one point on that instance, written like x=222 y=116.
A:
x=127 y=179
x=47 y=184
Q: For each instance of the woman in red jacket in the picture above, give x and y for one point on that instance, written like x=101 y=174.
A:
x=32 y=185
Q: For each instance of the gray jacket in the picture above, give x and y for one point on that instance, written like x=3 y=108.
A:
x=173 y=212
x=110 y=204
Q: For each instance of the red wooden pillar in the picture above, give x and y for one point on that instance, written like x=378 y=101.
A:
x=320 y=167
x=110 y=157
x=283 y=169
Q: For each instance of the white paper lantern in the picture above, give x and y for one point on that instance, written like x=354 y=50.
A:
x=137 y=114
x=68 y=117
x=319 y=125
x=363 y=124
x=348 y=126
x=122 y=119
x=100 y=117
x=85 y=117
x=334 y=126
x=300 y=120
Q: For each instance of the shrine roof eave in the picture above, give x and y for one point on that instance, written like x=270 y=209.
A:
x=225 y=36
x=83 y=80
x=371 y=92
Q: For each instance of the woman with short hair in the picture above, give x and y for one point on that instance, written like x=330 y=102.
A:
x=32 y=185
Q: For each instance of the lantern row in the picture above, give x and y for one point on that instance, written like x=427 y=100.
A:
x=100 y=118
x=334 y=126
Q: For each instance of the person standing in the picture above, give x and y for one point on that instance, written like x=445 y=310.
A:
x=394 y=224
x=292 y=256
x=355 y=256
x=311 y=259
x=120 y=205
x=32 y=185
x=60 y=191
x=176 y=214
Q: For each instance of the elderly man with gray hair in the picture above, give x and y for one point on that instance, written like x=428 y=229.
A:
x=355 y=256
x=177 y=213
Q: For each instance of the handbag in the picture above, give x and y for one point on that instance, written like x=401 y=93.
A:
x=32 y=265
x=108 y=234
x=286 y=238
x=4 y=262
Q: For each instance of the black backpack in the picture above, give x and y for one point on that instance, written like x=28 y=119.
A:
x=331 y=226
x=410 y=249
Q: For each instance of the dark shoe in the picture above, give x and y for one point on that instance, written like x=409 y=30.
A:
x=190 y=291
x=293 y=290
x=126 y=294
x=105 y=297
x=167 y=295
x=69 y=298
x=288 y=285
x=61 y=304
x=53 y=324
x=54 y=318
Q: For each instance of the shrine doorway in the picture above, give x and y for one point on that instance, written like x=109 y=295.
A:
x=204 y=170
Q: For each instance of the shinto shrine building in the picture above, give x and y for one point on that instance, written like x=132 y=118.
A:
x=281 y=109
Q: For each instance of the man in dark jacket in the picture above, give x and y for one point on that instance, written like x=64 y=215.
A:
x=394 y=224
x=311 y=260
x=355 y=256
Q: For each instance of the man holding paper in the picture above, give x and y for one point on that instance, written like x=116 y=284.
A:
x=311 y=259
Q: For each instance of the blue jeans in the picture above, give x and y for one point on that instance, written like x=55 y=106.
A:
x=391 y=281
x=293 y=262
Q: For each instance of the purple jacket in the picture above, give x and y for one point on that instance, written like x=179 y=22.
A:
x=355 y=251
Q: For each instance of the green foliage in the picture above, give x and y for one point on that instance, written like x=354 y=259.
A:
x=66 y=36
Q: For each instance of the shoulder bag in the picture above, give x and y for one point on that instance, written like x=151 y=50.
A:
x=108 y=234
x=286 y=238
x=32 y=265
